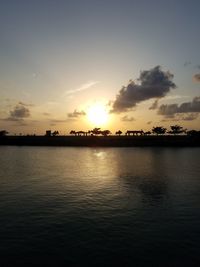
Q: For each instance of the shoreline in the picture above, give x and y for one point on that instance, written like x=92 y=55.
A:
x=102 y=141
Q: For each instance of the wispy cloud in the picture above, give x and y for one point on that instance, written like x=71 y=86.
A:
x=76 y=114
x=25 y=104
x=58 y=120
x=83 y=87
x=127 y=118
x=52 y=103
x=46 y=114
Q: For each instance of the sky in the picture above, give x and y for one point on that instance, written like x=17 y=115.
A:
x=137 y=60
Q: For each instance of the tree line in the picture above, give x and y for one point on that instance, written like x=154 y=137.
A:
x=158 y=130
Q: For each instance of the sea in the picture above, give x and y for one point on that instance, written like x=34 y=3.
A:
x=71 y=206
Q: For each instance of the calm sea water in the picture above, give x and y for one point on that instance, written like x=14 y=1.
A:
x=99 y=206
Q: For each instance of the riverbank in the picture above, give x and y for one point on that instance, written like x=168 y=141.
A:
x=104 y=141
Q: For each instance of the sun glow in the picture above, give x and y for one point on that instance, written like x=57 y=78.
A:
x=97 y=114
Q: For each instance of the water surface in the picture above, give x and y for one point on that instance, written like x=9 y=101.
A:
x=99 y=206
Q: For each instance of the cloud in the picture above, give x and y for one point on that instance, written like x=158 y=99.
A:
x=188 y=107
x=149 y=122
x=52 y=103
x=76 y=114
x=81 y=88
x=154 y=105
x=21 y=123
x=25 y=105
x=127 y=119
x=196 y=77
x=18 y=113
x=46 y=113
x=172 y=97
x=153 y=83
x=57 y=121
x=187 y=63
x=11 y=119
x=182 y=117
x=190 y=116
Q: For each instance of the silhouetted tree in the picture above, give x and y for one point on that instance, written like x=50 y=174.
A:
x=118 y=133
x=96 y=131
x=3 y=133
x=176 y=129
x=159 y=130
x=105 y=132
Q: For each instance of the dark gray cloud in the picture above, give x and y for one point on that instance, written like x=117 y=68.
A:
x=196 y=77
x=181 y=117
x=127 y=119
x=153 y=83
x=189 y=117
x=171 y=110
x=19 y=112
x=154 y=105
x=76 y=114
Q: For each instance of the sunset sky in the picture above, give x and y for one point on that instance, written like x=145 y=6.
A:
x=134 y=64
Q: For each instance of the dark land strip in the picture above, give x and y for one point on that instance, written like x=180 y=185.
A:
x=102 y=141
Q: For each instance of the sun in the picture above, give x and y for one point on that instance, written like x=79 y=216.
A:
x=97 y=114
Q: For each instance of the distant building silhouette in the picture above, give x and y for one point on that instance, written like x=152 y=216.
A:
x=141 y=132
